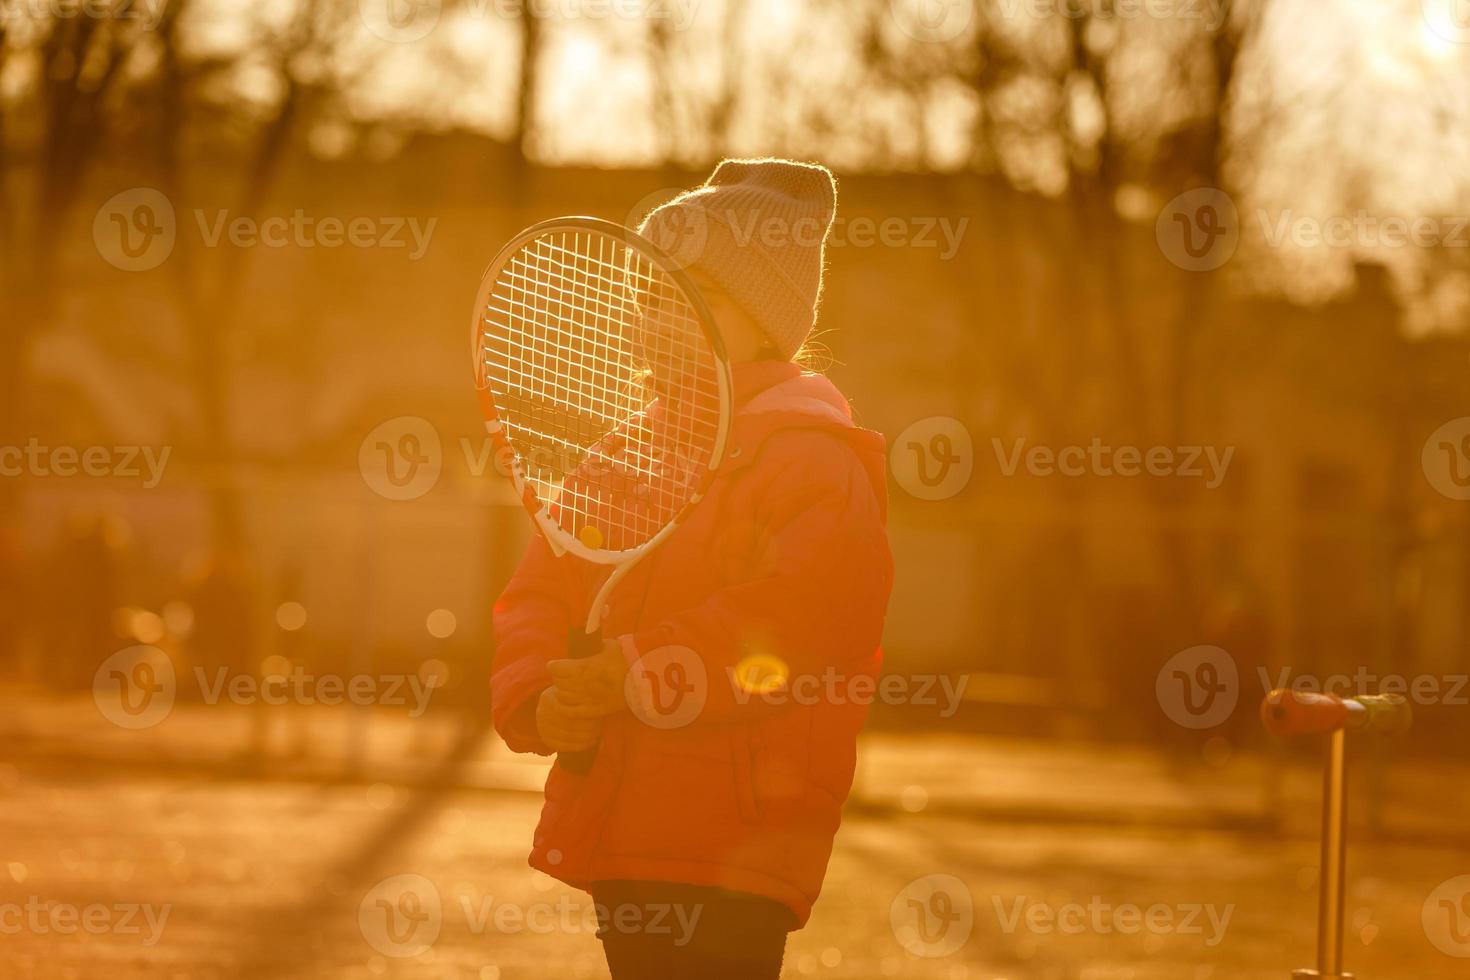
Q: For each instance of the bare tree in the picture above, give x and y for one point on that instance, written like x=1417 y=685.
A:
x=82 y=69
x=526 y=88
x=79 y=63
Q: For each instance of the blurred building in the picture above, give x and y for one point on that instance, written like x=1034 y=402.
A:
x=1321 y=545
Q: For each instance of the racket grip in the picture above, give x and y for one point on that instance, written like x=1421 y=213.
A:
x=580 y=646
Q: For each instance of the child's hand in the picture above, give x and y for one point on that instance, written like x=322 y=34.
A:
x=592 y=686
x=560 y=728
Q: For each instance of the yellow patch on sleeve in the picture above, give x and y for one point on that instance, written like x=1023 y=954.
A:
x=761 y=673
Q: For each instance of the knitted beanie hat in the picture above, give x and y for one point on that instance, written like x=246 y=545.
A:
x=758 y=228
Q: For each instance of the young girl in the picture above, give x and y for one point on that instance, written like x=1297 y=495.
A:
x=703 y=834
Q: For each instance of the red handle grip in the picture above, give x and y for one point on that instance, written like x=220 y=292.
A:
x=1291 y=712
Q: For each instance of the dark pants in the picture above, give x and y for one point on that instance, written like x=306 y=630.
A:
x=654 y=930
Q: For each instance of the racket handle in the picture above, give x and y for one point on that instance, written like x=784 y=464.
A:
x=580 y=646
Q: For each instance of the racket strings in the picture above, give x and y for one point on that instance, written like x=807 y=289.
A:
x=605 y=384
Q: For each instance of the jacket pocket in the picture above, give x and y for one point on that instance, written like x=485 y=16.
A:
x=742 y=764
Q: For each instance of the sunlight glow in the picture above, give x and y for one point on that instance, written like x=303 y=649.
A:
x=290 y=616
x=1438 y=47
x=441 y=624
x=761 y=673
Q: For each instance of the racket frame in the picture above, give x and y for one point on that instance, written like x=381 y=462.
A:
x=558 y=539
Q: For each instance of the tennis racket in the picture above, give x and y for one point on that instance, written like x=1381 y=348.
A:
x=606 y=395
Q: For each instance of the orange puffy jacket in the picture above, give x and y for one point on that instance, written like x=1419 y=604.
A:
x=785 y=561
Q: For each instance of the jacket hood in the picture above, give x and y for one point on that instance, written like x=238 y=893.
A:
x=772 y=398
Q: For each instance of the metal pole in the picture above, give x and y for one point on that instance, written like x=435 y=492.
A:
x=1287 y=712
x=1334 y=862
x=1334 y=857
